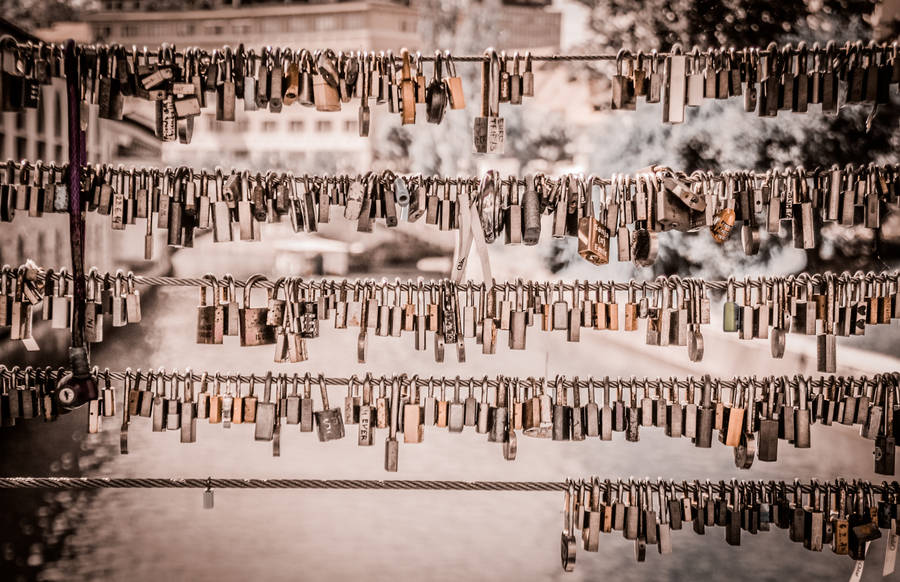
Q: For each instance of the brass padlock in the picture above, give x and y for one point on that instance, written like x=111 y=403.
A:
x=454 y=84
x=325 y=83
x=593 y=241
x=407 y=90
x=723 y=225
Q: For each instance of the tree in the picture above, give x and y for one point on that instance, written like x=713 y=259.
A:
x=467 y=28
x=719 y=135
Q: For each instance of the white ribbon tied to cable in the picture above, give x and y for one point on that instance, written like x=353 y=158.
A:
x=472 y=229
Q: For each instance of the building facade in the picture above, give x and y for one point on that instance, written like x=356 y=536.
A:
x=41 y=134
x=298 y=138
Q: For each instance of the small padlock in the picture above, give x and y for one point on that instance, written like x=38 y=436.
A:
x=329 y=421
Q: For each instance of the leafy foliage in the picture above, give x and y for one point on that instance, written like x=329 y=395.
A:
x=720 y=135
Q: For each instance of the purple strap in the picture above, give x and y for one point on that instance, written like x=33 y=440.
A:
x=77 y=153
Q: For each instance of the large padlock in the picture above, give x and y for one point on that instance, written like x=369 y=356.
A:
x=593 y=241
x=623 y=93
x=671 y=211
x=210 y=316
x=325 y=82
x=255 y=329
x=490 y=130
x=266 y=412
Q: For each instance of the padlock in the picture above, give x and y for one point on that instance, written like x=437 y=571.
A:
x=254 y=327
x=325 y=82
x=266 y=411
x=454 y=84
x=210 y=315
x=490 y=132
x=329 y=421
x=623 y=90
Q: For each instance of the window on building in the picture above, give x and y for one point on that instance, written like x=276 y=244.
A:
x=301 y=24
x=20 y=120
x=353 y=21
x=129 y=30
x=2 y=146
x=57 y=114
x=326 y=23
x=42 y=247
x=241 y=28
x=350 y=126
x=59 y=154
x=21 y=148
x=41 y=150
x=269 y=127
x=296 y=125
x=41 y=114
x=20 y=249
x=323 y=126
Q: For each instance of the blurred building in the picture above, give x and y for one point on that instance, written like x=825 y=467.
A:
x=41 y=135
x=525 y=24
x=298 y=138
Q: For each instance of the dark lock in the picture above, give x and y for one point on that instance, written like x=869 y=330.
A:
x=733 y=517
x=501 y=417
x=814 y=522
x=768 y=427
x=705 y=416
x=885 y=442
x=802 y=416
x=632 y=515
x=567 y=539
x=562 y=413
x=436 y=96
x=577 y=411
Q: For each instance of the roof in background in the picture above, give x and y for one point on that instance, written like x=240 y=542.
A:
x=16 y=31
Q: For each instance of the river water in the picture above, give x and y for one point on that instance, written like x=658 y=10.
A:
x=152 y=535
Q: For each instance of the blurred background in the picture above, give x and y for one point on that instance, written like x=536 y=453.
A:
x=566 y=127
